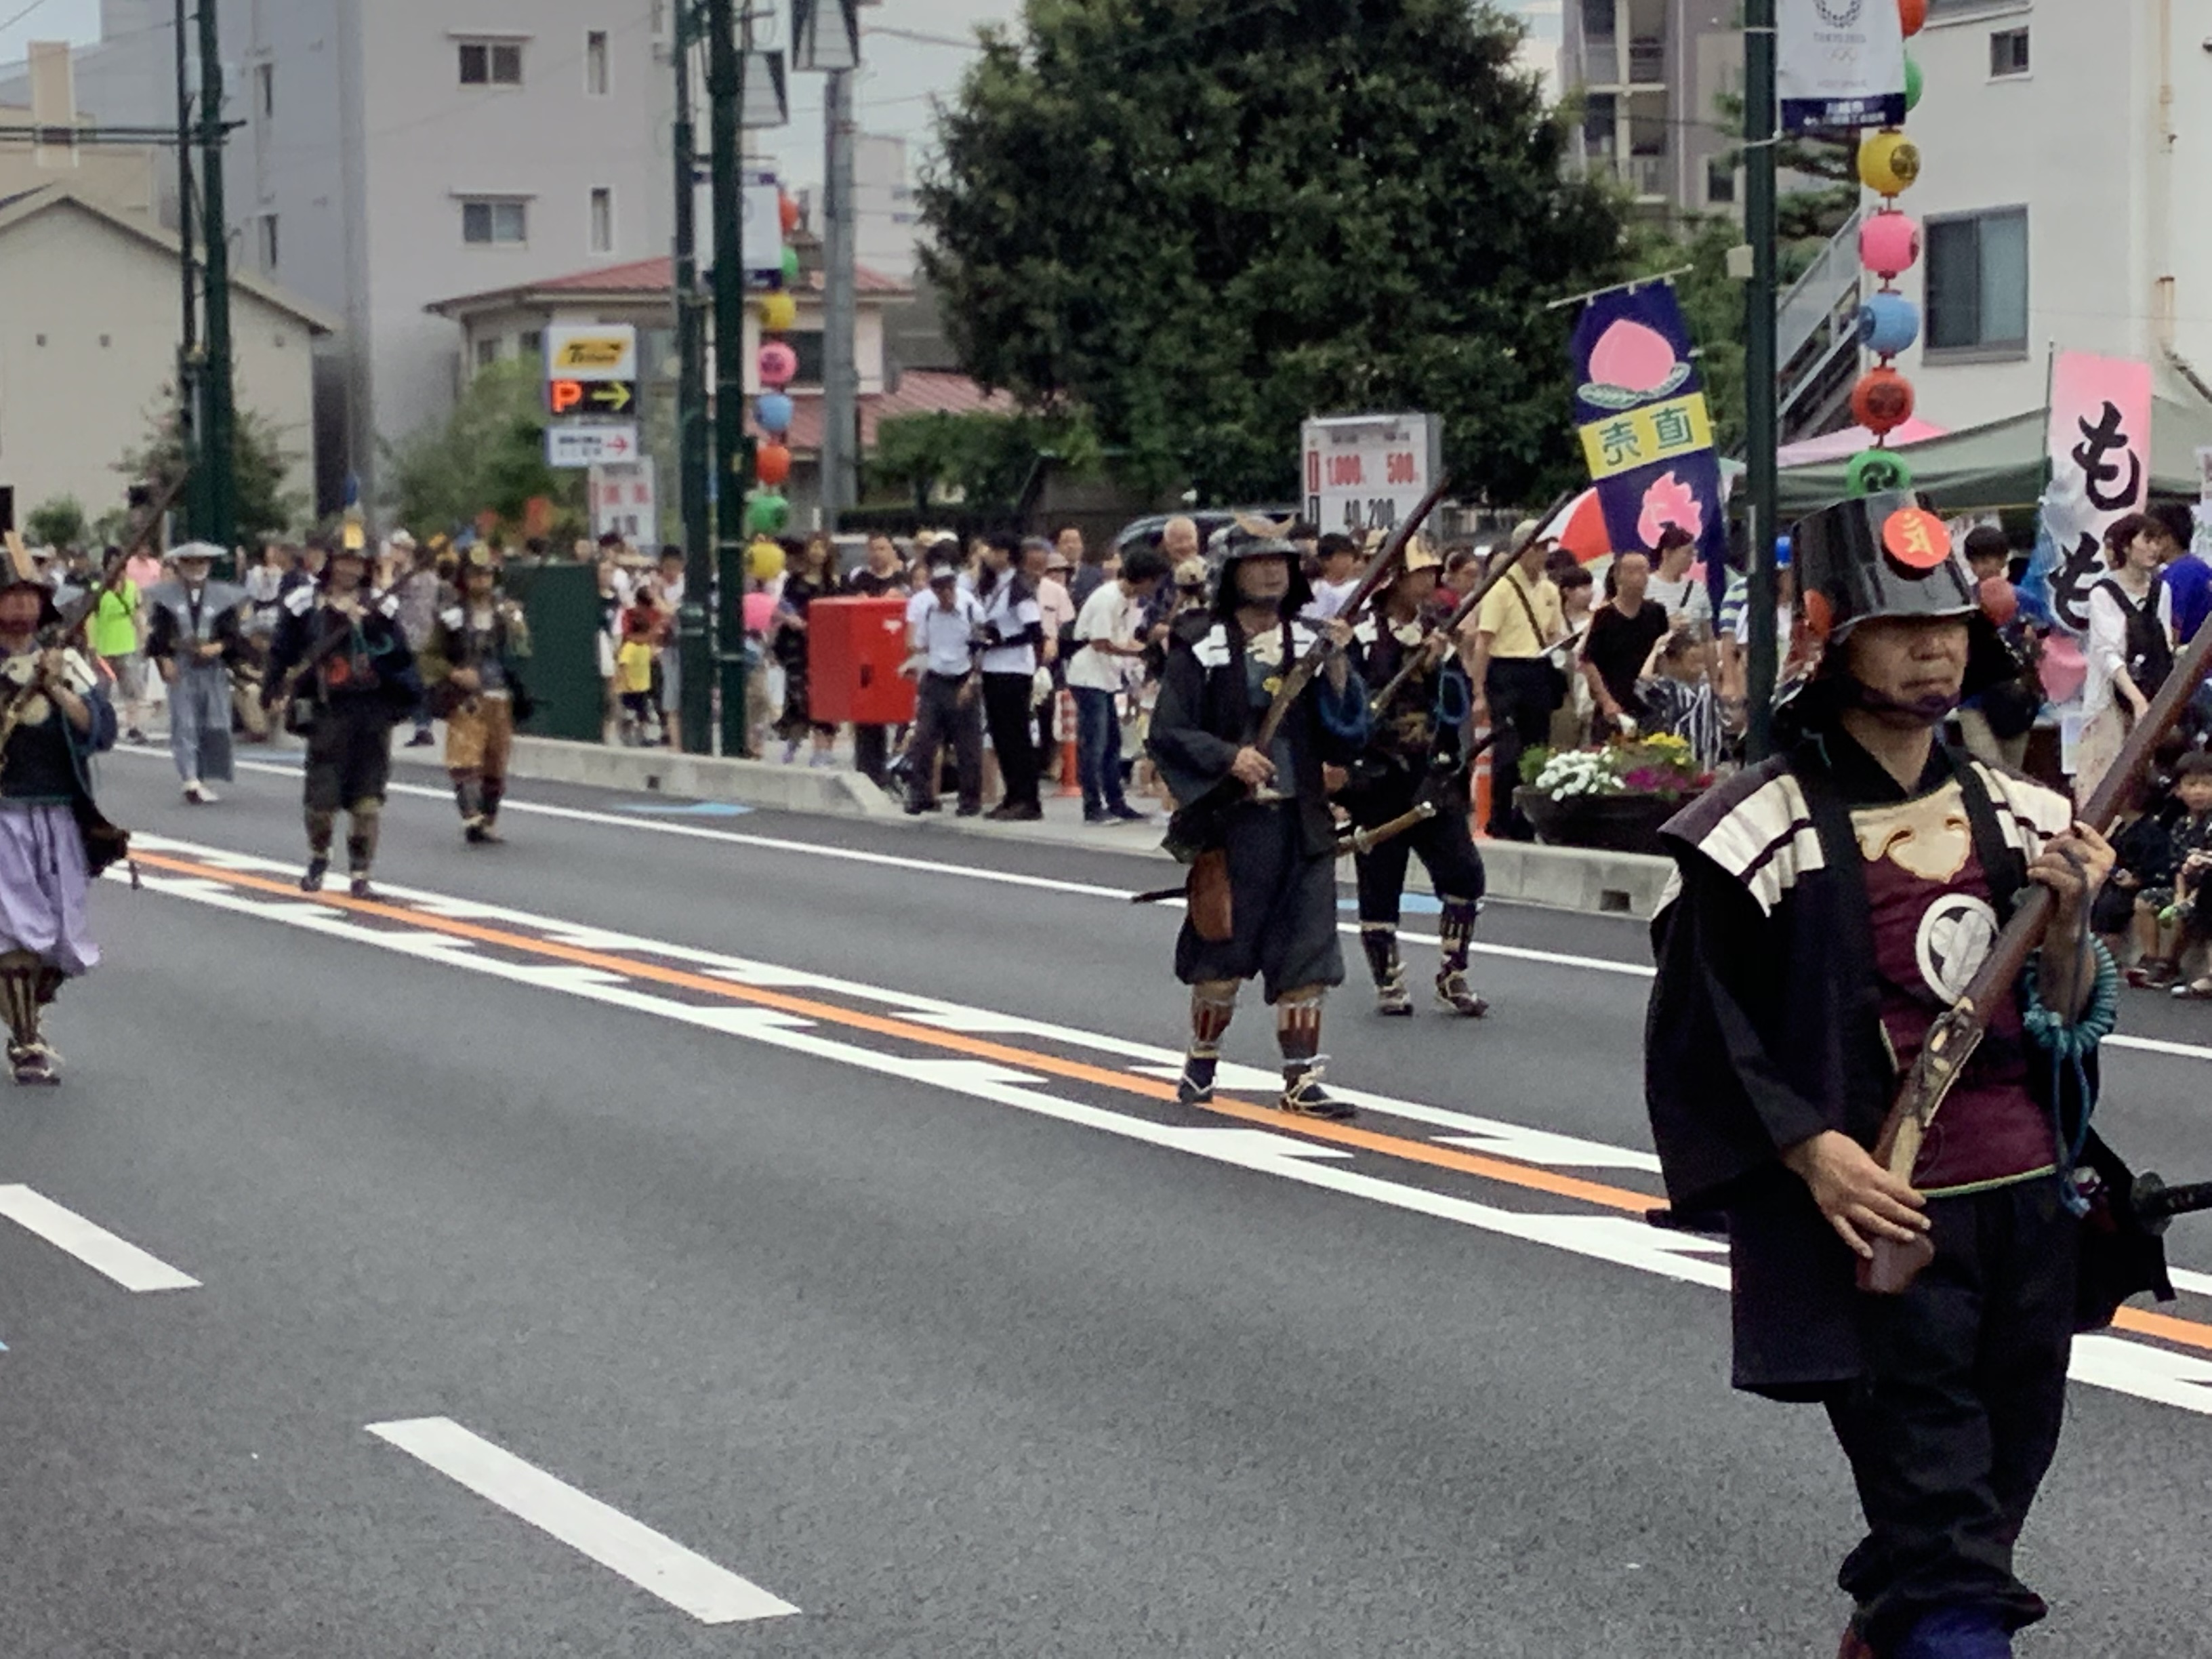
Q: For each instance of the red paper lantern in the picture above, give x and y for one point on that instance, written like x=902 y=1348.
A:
x=772 y=464
x=786 y=207
x=1882 y=400
x=1913 y=14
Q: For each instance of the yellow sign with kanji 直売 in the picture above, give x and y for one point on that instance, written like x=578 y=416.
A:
x=1638 y=437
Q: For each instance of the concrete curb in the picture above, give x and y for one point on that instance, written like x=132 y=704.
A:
x=1561 y=878
x=695 y=777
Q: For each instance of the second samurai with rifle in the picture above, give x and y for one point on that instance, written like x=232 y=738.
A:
x=1255 y=815
x=1416 y=752
x=1835 y=905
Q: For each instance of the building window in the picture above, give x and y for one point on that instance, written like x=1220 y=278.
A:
x=487 y=352
x=266 y=228
x=531 y=343
x=2008 y=53
x=1600 y=117
x=603 y=220
x=595 y=63
x=1597 y=20
x=1720 y=181
x=807 y=346
x=1978 y=281
x=494 y=223
x=491 y=62
x=264 y=90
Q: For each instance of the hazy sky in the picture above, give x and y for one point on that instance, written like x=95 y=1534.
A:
x=900 y=73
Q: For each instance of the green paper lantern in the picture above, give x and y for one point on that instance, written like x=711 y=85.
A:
x=767 y=513
x=790 y=254
x=1912 y=83
x=1875 y=472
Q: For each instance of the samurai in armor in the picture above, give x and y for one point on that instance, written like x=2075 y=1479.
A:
x=1258 y=822
x=55 y=715
x=472 y=663
x=343 y=671
x=1416 y=754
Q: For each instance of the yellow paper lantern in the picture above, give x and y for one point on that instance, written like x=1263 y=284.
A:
x=764 y=559
x=1889 y=162
x=779 y=311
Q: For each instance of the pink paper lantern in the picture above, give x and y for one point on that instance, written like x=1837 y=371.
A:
x=1889 y=244
x=779 y=365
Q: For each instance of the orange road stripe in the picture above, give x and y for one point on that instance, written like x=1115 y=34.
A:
x=2187 y=1332
x=1443 y=1158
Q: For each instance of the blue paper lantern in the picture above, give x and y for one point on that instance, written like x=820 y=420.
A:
x=1888 y=323
x=773 y=411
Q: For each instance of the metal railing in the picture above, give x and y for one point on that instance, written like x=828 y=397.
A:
x=1817 y=320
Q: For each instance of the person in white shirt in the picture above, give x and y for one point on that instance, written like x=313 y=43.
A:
x=1013 y=635
x=1109 y=643
x=944 y=626
x=1675 y=588
x=2129 y=649
x=1338 y=580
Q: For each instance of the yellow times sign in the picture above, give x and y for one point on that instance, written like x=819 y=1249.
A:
x=1656 y=432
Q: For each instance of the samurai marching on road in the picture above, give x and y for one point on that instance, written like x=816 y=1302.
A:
x=1254 y=813
x=196 y=638
x=1415 y=756
x=54 y=716
x=472 y=663
x=342 y=670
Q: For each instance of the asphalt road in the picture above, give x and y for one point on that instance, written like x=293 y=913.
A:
x=718 y=1215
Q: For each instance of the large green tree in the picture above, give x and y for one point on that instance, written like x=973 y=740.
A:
x=261 y=467
x=488 y=456
x=1201 y=220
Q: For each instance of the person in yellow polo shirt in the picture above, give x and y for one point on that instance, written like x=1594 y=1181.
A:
x=1504 y=644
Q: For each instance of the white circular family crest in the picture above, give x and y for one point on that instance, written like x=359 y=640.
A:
x=1955 y=936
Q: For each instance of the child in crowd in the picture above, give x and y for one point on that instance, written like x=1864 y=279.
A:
x=641 y=631
x=1678 y=696
x=2189 y=918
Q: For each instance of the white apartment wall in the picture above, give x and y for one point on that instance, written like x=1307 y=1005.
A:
x=2073 y=141
x=889 y=218
x=105 y=304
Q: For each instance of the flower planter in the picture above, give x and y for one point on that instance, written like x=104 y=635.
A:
x=1610 y=823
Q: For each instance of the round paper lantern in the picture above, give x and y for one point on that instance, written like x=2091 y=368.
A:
x=1913 y=14
x=767 y=513
x=1882 y=400
x=791 y=267
x=786 y=212
x=779 y=311
x=1912 y=83
x=779 y=365
x=1876 y=472
x=771 y=411
x=1888 y=323
x=1889 y=162
x=764 y=561
x=1889 y=244
x=772 y=464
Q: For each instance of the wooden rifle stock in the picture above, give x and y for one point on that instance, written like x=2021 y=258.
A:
x=1359 y=841
x=1958 y=1031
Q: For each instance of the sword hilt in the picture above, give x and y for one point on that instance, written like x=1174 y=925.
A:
x=2155 y=1203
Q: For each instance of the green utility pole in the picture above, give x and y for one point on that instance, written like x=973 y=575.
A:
x=1761 y=416
x=218 y=419
x=188 y=341
x=695 y=620
x=732 y=454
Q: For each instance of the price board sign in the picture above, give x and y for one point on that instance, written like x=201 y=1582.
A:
x=1367 y=472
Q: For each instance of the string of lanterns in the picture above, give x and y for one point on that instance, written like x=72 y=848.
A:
x=1888 y=323
x=766 y=509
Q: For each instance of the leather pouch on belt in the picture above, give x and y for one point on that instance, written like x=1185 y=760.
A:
x=1212 y=914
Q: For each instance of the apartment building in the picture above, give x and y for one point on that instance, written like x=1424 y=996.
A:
x=397 y=152
x=1651 y=76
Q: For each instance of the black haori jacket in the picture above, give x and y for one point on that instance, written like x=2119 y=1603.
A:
x=1765 y=1029
x=1204 y=716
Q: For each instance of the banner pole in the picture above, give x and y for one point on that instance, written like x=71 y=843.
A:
x=1761 y=415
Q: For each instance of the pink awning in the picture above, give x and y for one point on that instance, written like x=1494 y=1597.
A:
x=1842 y=445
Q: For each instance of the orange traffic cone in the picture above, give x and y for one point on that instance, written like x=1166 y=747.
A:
x=1063 y=719
x=1483 y=787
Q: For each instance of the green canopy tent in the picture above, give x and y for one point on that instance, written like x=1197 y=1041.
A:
x=2005 y=463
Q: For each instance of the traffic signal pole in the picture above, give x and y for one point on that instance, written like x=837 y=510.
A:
x=1762 y=418
x=732 y=455
x=695 y=618
x=218 y=443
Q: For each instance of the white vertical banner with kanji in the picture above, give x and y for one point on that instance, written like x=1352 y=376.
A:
x=625 y=501
x=2100 y=452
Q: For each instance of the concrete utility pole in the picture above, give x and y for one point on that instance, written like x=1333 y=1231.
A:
x=1761 y=417
x=188 y=341
x=732 y=454
x=841 y=377
x=218 y=418
x=695 y=620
